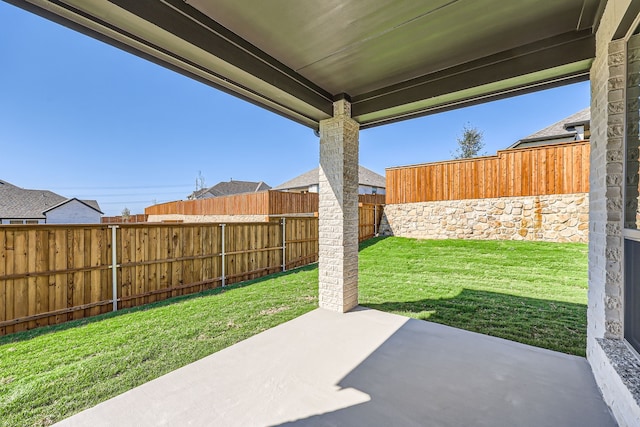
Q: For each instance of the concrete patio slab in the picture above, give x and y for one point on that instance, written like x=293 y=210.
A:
x=365 y=368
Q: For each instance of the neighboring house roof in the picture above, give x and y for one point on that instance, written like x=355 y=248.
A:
x=93 y=204
x=369 y=177
x=227 y=188
x=365 y=177
x=198 y=194
x=21 y=203
x=564 y=128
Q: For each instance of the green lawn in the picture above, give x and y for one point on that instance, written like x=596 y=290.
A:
x=529 y=292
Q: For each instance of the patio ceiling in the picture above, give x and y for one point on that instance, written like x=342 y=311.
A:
x=393 y=59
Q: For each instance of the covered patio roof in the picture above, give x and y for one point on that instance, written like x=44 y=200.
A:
x=391 y=59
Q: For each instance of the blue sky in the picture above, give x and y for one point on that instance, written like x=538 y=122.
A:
x=84 y=119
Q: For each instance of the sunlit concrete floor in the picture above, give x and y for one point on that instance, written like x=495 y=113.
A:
x=365 y=368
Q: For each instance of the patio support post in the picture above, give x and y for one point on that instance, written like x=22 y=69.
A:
x=338 y=210
x=613 y=119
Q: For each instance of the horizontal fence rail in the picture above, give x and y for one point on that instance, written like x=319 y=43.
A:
x=550 y=169
x=265 y=203
x=50 y=274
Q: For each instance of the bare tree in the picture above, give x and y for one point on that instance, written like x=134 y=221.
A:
x=470 y=144
x=126 y=214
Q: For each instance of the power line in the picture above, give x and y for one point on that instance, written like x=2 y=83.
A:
x=97 y=195
x=124 y=188
x=133 y=201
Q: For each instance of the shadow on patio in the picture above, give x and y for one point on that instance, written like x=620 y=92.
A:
x=366 y=368
x=543 y=323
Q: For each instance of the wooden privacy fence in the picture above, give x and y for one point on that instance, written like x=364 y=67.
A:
x=119 y=219
x=266 y=203
x=550 y=169
x=238 y=204
x=369 y=217
x=50 y=274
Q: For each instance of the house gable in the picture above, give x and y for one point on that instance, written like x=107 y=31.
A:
x=368 y=181
x=228 y=188
x=73 y=211
x=572 y=128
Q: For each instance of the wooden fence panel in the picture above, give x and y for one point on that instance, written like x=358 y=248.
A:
x=551 y=169
x=282 y=202
x=43 y=275
x=239 y=204
x=119 y=219
x=9 y=297
x=186 y=264
x=249 y=251
x=4 y=285
x=76 y=247
x=177 y=261
x=301 y=241
x=52 y=273
x=264 y=203
x=20 y=284
x=369 y=217
x=375 y=199
x=125 y=277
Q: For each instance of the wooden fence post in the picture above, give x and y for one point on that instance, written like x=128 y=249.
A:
x=375 y=220
x=284 y=244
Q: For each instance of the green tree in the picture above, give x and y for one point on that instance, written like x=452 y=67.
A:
x=470 y=143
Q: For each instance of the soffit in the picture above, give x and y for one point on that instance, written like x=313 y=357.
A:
x=393 y=59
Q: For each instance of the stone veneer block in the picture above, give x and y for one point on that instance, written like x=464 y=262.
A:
x=338 y=211
x=553 y=218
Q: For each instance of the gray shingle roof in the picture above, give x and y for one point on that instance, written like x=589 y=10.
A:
x=562 y=128
x=21 y=203
x=227 y=188
x=365 y=177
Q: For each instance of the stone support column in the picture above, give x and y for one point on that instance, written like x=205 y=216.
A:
x=606 y=177
x=338 y=210
x=615 y=368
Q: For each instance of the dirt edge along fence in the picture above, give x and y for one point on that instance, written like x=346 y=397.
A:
x=51 y=274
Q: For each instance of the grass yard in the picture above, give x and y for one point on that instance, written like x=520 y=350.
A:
x=530 y=292
x=51 y=373
x=534 y=293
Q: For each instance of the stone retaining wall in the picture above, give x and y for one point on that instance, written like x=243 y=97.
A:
x=555 y=218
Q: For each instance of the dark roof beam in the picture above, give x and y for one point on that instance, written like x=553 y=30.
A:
x=198 y=29
x=570 y=54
